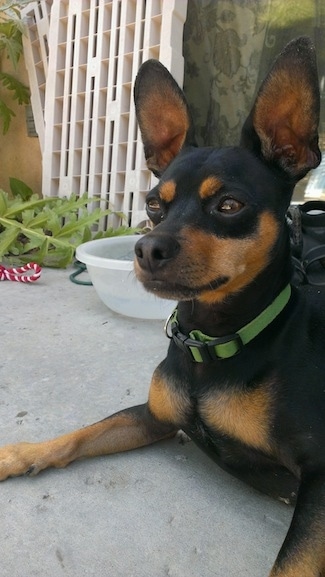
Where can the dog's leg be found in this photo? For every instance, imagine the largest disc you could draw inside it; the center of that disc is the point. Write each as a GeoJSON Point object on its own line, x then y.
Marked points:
{"type": "Point", "coordinates": [129, 429]}
{"type": "Point", "coordinates": [303, 551]}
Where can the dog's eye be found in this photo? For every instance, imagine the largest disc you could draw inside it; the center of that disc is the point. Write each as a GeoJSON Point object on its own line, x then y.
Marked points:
{"type": "Point", "coordinates": [153, 205]}
{"type": "Point", "coordinates": [154, 210]}
{"type": "Point", "coordinates": [230, 206]}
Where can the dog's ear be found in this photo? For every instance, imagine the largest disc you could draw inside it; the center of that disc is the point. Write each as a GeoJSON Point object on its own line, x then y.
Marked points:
{"type": "Point", "coordinates": [283, 124]}
{"type": "Point", "coordinates": [162, 114]}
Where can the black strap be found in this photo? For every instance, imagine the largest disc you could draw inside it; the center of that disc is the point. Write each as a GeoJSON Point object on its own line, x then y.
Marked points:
{"type": "Point", "coordinates": [307, 234]}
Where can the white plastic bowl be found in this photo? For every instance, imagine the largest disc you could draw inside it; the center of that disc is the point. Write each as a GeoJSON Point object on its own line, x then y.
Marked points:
{"type": "Point", "coordinates": [110, 266]}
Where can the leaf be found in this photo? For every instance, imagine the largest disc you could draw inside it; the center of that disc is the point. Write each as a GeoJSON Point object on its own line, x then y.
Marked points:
{"type": "Point", "coordinates": [13, 6]}
{"type": "Point", "coordinates": [16, 208]}
{"type": "Point", "coordinates": [37, 221]}
{"type": "Point", "coordinates": [86, 235]}
{"type": "Point", "coordinates": [11, 39]}
{"type": "Point", "coordinates": [72, 204]}
{"type": "Point", "coordinates": [12, 28]}
{"type": "Point", "coordinates": [20, 90]}
{"type": "Point", "coordinates": [53, 221]}
{"type": "Point", "coordinates": [7, 238]}
{"type": "Point", "coordinates": [27, 216]}
{"type": "Point", "coordinates": [37, 257]}
{"type": "Point", "coordinates": [73, 226]}
{"type": "Point", "coordinates": [3, 202]}
{"type": "Point", "coordinates": [46, 230]}
{"type": "Point", "coordinates": [31, 245]}
{"type": "Point", "coordinates": [20, 188]}
{"type": "Point", "coordinates": [60, 257]}
{"type": "Point", "coordinates": [43, 249]}
{"type": "Point", "coordinates": [6, 114]}
{"type": "Point", "coordinates": [121, 231]}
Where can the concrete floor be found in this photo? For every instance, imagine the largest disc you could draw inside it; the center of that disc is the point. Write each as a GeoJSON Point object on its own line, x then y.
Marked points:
{"type": "Point", "coordinates": [65, 361]}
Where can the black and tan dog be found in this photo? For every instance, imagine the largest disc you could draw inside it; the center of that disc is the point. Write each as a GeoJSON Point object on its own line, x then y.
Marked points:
{"type": "Point", "coordinates": [245, 372]}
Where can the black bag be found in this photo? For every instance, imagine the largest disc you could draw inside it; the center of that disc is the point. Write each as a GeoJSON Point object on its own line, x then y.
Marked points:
{"type": "Point", "coordinates": [307, 231]}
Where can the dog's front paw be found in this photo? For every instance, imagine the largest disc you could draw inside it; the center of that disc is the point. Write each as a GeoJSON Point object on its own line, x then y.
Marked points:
{"type": "Point", "coordinates": [19, 459]}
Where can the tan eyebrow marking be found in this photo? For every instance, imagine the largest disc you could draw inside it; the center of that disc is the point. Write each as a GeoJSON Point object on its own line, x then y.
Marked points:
{"type": "Point", "coordinates": [210, 186]}
{"type": "Point", "coordinates": [167, 191]}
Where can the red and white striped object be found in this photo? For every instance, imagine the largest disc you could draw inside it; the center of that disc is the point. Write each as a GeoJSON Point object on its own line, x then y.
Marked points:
{"type": "Point", "coordinates": [17, 274]}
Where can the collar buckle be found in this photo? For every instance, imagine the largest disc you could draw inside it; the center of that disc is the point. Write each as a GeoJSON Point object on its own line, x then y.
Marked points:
{"type": "Point", "coordinates": [234, 341]}
{"type": "Point", "coordinates": [194, 349]}
{"type": "Point", "coordinates": [200, 351]}
{"type": "Point", "coordinates": [202, 348]}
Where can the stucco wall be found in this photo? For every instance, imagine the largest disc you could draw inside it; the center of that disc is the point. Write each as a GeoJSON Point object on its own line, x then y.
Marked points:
{"type": "Point", "coordinates": [20, 154]}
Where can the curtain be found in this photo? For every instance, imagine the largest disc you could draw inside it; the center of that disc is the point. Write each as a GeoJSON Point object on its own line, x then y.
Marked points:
{"type": "Point", "coordinates": [228, 47]}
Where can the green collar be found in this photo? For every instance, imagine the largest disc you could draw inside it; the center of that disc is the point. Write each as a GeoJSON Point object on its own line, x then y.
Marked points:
{"type": "Point", "coordinates": [202, 348]}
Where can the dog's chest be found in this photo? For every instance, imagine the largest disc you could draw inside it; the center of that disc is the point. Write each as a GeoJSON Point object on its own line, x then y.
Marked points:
{"type": "Point", "coordinates": [243, 415]}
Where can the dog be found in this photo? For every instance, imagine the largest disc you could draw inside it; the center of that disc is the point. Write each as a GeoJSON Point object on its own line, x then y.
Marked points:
{"type": "Point", "coordinates": [244, 372]}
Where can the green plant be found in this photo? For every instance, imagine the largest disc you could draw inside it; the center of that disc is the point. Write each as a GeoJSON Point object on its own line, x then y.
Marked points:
{"type": "Point", "coordinates": [11, 47]}
{"type": "Point", "coordinates": [47, 230]}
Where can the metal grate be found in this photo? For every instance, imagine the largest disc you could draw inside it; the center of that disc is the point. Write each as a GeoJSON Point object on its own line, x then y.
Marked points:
{"type": "Point", "coordinates": [91, 139]}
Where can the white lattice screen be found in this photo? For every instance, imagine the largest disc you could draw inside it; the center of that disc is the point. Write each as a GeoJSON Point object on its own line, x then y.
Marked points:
{"type": "Point", "coordinates": [36, 52]}
{"type": "Point", "coordinates": [91, 139]}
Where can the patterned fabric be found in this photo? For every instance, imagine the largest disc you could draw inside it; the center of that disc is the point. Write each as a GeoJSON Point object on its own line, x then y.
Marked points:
{"type": "Point", "coordinates": [228, 47]}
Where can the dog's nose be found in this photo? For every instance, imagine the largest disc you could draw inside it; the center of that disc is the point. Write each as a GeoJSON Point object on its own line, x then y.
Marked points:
{"type": "Point", "coordinates": [155, 251]}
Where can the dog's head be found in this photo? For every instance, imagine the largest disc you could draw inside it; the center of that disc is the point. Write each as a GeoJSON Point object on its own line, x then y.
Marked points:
{"type": "Point", "coordinates": [219, 212]}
